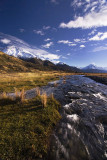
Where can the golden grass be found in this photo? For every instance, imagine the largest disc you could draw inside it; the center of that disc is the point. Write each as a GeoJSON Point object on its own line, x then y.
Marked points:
{"type": "Point", "coordinates": [28, 80]}
{"type": "Point", "coordinates": [37, 91]}
{"type": "Point", "coordinates": [44, 98]}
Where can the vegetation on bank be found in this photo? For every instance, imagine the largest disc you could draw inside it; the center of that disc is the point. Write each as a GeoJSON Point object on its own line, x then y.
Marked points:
{"type": "Point", "coordinates": [99, 77]}
{"type": "Point", "coordinates": [26, 125]}
{"type": "Point", "coordinates": [8, 82]}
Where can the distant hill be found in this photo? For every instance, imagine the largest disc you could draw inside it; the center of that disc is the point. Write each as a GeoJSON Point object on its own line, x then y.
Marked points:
{"type": "Point", "coordinates": [67, 68]}
{"type": "Point", "coordinates": [13, 64]}
{"type": "Point", "coordinates": [47, 65]}
{"type": "Point", "coordinates": [94, 69]}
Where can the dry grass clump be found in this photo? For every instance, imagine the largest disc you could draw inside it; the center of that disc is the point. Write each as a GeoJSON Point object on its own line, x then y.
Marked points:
{"type": "Point", "coordinates": [52, 96]}
{"type": "Point", "coordinates": [4, 95]}
{"type": "Point", "coordinates": [6, 99]}
{"type": "Point", "coordinates": [37, 91]}
{"type": "Point", "coordinates": [22, 95]}
{"type": "Point", "coordinates": [44, 98]}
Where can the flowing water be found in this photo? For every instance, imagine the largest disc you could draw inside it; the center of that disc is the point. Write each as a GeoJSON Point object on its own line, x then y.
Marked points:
{"type": "Point", "coordinates": [82, 132]}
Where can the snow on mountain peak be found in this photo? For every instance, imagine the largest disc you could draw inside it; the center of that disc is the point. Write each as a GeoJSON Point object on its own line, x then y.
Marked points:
{"type": "Point", "coordinates": [93, 66]}
{"type": "Point", "coordinates": [19, 48]}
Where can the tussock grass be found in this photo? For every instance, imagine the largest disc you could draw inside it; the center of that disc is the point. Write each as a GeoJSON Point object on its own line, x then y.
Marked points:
{"type": "Point", "coordinates": [27, 80]}
{"type": "Point", "coordinates": [37, 91]}
{"type": "Point", "coordinates": [25, 127]}
{"type": "Point", "coordinates": [44, 99]}
{"type": "Point", "coordinates": [22, 95]}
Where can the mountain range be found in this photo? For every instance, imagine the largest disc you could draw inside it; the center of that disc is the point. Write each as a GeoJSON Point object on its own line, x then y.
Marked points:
{"type": "Point", "coordinates": [13, 64]}
{"type": "Point", "coordinates": [19, 55]}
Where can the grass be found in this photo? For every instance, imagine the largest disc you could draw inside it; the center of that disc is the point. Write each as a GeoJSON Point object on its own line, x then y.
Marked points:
{"type": "Point", "coordinates": [9, 82]}
{"type": "Point", "coordinates": [25, 127]}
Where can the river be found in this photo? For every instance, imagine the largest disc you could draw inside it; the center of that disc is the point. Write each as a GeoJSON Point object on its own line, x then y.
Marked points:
{"type": "Point", "coordinates": [82, 132]}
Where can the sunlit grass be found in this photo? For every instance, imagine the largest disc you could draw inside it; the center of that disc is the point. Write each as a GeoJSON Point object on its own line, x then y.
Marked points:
{"type": "Point", "coordinates": [8, 82]}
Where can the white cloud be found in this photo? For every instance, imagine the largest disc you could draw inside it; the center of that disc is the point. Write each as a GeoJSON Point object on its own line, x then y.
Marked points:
{"type": "Point", "coordinates": [72, 44]}
{"type": "Point", "coordinates": [101, 48]}
{"type": "Point", "coordinates": [46, 27]}
{"type": "Point", "coordinates": [22, 30]}
{"type": "Point", "coordinates": [64, 57]}
{"type": "Point", "coordinates": [58, 50]}
{"type": "Point", "coordinates": [5, 41]}
{"type": "Point", "coordinates": [67, 42]}
{"type": "Point", "coordinates": [93, 31]}
{"type": "Point", "coordinates": [55, 61]}
{"type": "Point", "coordinates": [64, 42]}
{"type": "Point", "coordinates": [76, 40]}
{"type": "Point", "coordinates": [54, 1]}
{"type": "Point", "coordinates": [40, 32]}
{"type": "Point", "coordinates": [88, 5]}
{"type": "Point", "coordinates": [48, 45]}
{"type": "Point", "coordinates": [90, 20]}
{"type": "Point", "coordinates": [82, 46]}
{"type": "Point", "coordinates": [99, 36]}
{"type": "Point", "coordinates": [48, 39]}
{"type": "Point", "coordinates": [68, 54]}
{"type": "Point", "coordinates": [54, 29]}
{"type": "Point", "coordinates": [77, 3]}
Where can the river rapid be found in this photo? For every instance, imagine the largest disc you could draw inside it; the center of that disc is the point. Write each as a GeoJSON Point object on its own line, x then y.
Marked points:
{"type": "Point", "coordinates": [82, 132]}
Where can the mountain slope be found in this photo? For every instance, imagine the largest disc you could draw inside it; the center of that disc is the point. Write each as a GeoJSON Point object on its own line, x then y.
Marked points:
{"type": "Point", "coordinates": [13, 64]}
{"type": "Point", "coordinates": [67, 68]}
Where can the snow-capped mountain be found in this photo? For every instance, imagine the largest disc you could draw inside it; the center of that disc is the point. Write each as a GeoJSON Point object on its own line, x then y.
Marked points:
{"type": "Point", "coordinates": [16, 47]}
{"type": "Point", "coordinates": [18, 52]}
{"type": "Point", "coordinates": [94, 68]}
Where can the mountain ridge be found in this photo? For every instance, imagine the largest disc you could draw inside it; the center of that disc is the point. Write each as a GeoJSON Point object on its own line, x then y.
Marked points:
{"type": "Point", "coordinates": [13, 64]}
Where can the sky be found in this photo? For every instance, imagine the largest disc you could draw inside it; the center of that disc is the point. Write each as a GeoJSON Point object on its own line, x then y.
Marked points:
{"type": "Point", "coordinates": [69, 31]}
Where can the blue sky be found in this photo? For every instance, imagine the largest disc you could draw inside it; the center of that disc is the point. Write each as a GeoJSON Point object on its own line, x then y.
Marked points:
{"type": "Point", "coordinates": [70, 31]}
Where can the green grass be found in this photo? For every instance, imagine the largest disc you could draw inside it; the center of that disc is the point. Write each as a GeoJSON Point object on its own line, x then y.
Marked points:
{"type": "Point", "coordinates": [25, 127]}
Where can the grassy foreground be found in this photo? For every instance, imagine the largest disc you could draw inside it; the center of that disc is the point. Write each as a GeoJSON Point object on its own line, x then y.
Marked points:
{"type": "Point", "coordinates": [25, 127]}
{"type": "Point", "coordinates": [8, 82]}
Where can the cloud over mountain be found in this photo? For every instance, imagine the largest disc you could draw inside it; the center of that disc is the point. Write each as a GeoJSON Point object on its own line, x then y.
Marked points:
{"type": "Point", "coordinates": [18, 47]}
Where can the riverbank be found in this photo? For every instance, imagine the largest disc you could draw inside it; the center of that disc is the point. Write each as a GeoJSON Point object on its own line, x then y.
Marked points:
{"type": "Point", "coordinates": [10, 82]}
{"type": "Point", "coordinates": [101, 78]}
